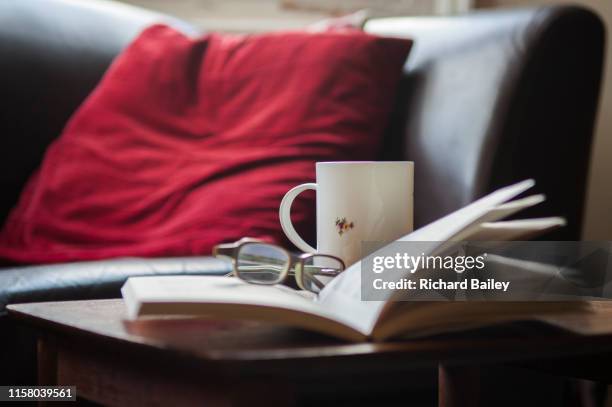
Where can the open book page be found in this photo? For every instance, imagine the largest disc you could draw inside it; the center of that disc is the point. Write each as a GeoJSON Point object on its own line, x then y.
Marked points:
{"type": "Point", "coordinates": [596, 321]}
{"type": "Point", "coordinates": [343, 294]}
{"type": "Point", "coordinates": [231, 298]}
{"type": "Point", "coordinates": [510, 208]}
{"type": "Point", "coordinates": [410, 319]}
{"type": "Point", "coordinates": [515, 229]}
{"type": "Point", "coordinates": [426, 318]}
{"type": "Point", "coordinates": [498, 212]}
{"type": "Point", "coordinates": [531, 280]}
{"type": "Point", "coordinates": [482, 210]}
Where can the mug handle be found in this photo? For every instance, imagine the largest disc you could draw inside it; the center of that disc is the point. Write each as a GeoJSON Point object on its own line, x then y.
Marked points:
{"type": "Point", "coordinates": [284, 213]}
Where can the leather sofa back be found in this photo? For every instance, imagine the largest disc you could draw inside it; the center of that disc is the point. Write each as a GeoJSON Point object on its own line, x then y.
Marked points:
{"type": "Point", "coordinates": [491, 98]}
{"type": "Point", "coordinates": [53, 54]}
{"type": "Point", "coordinates": [488, 98]}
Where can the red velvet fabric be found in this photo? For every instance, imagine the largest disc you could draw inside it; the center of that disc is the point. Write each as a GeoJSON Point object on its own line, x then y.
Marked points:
{"type": "Point", "coordinates": [187, 142]}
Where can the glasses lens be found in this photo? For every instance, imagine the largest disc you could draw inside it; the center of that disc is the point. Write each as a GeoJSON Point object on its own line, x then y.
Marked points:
{"type": "Point", "coordinates": [318, 271]}
{"type": "Point", "coordinates": [261, 263]}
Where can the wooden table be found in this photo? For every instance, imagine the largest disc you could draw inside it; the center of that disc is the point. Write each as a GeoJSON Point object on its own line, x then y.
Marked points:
{"type": "Point", "coordinates": [201, 362]}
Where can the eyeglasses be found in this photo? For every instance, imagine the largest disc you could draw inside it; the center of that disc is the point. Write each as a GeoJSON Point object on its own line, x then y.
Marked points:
{"type": "Point", "coordinates": [257, 262]}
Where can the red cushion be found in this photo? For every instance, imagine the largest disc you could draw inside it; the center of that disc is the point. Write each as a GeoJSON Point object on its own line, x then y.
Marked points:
{"type": "Point", "coordinates": [186, 142]}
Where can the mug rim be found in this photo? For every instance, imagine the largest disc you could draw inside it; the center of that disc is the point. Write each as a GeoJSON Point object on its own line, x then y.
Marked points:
{"type": "Point", "coordinates": [362, 162]}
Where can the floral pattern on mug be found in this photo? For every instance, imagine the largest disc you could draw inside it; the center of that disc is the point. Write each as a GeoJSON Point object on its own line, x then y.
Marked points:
{"type": "Point", "coordinates": [343, 225]}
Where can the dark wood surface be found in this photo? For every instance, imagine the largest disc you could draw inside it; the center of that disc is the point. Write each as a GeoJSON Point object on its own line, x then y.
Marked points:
{"type": "Point", "coordinates": [91, 339]}
{"type": "Point", "coordinates": [241, 343]}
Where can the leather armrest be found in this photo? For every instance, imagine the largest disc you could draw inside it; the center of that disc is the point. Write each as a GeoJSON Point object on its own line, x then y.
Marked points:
{"type": "Point", "coordinates": [94, 279]}
{"type": "Point", "coordinates": [74, 281]}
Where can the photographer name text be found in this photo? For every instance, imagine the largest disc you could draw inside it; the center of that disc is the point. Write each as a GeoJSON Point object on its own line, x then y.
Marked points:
{"type": "Point", "coordinates": [439, 284]}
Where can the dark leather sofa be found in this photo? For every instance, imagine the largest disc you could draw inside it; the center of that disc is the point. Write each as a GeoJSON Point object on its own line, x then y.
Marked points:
{"type": "Point", "coordinates": [487, 99]}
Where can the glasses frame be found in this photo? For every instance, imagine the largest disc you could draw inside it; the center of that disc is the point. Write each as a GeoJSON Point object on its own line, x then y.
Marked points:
{"type": "Point", "coordinates": [295, 265]}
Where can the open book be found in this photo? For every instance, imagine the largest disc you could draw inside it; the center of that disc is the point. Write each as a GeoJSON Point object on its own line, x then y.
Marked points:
{"type": "Point", "coordinates": [338, 310]}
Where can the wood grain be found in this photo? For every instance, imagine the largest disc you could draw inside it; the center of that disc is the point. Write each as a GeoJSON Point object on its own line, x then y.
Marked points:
{"type": "Point", "coordinates": [158, 361]}
{"type": "Point", "coordinates": [234, 342]}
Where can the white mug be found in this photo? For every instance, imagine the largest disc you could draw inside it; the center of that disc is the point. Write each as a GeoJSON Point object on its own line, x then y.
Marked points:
{"type": "Point", "coordinates": [356, 201]}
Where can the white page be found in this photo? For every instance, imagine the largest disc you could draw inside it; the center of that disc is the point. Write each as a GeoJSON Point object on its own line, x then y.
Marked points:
{"type": "Point", "coordinates": [343, 295]}
{"type": "Point", "coordinates": [500, 212]}
{"type": "Point", "coordinates": [515, 229]}
{"type": "Point", "coordinates": [231, 298]}
{"type": "Point", "coordinates": [512, 207]}
{"type": "Point", "coordinates": [215, 289]}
